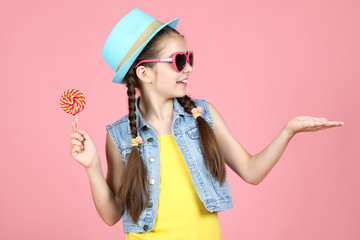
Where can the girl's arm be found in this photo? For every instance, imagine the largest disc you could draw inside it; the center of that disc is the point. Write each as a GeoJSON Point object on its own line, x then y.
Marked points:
{"type": "Point", "coordinates": [84, 151]}
{"type": "Point", "coordinates": [261, 163]}
{"type": "Point", "coordinates": [103, 197]}
{"type": "Point", "coordinates": [253, 169]}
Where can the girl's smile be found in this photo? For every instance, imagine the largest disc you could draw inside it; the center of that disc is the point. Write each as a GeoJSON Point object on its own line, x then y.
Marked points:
{"type": "Point", "coordinates": [182, 82]}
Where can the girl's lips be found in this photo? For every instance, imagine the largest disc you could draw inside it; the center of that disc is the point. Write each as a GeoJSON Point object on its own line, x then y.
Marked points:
{"type": "Point", "coordinates": [182, 81]}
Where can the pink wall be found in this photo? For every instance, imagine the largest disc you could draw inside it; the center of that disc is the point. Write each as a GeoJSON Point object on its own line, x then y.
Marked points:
{"type": "Point", "coordinates": [260, 63]}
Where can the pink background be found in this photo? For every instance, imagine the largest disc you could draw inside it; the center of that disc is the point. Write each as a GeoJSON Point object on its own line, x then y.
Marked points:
{"type": "Point", "coordinates": [260, 63]}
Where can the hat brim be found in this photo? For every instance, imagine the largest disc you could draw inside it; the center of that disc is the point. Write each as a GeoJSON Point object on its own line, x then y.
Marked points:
{"type": "Point", "coordinates": [120, 74]}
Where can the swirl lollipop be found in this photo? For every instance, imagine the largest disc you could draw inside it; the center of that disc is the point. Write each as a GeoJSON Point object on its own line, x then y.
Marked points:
{"type": "Point", "coordinates": [72, 101]}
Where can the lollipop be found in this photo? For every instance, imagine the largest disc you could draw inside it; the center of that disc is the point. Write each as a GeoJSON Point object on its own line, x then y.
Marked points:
{"type": "Point", "coordinates": [72, 101]}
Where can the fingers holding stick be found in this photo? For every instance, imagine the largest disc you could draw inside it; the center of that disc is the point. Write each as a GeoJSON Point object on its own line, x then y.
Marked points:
{"type": "Point", "coordinates": [76, 140]}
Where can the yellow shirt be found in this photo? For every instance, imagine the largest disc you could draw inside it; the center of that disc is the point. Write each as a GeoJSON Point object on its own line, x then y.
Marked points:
{"type": "Point", "coordinates": [181, 214]}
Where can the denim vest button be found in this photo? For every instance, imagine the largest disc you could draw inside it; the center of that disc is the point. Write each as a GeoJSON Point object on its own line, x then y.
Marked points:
{"type": "Point", "coordinates": [150, 205]}
{"type": "Point", "coordinates": [150, 140]}
{"type": "Point", "coordinates": [145, 128]}
{"type": "Point", "coordinates": [152, 181]}
{"type": "Point", "coordinates": [152, 159]}
{"type": "Point", "coordinates": [146, 227]}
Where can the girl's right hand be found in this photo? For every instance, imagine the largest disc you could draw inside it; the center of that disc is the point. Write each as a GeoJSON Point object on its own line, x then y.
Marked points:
{"type": "Point", "coordinates": [82, 148]}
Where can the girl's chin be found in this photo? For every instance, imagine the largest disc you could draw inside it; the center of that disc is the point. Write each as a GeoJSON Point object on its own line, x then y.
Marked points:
{"type": "Point", "coordinates": [179, 94]}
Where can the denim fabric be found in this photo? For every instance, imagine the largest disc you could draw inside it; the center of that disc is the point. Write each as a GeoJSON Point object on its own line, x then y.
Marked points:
{"type": "Point", "coordinates": [185, 131]}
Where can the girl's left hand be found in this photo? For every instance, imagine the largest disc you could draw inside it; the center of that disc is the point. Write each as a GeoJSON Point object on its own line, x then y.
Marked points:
{"type": "Point", "coordinates": [310, 124]}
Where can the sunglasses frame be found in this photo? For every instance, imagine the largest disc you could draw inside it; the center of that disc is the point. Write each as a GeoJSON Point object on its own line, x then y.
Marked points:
{"type": "Point", "coordinates": [172, 59]}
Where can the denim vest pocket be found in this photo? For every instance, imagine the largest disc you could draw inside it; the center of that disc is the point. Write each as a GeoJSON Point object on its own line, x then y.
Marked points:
{"type": "Point", "coordinates": [193, 133]}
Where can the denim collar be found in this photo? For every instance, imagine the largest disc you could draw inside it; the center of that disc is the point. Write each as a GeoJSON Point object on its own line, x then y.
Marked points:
{"type": "Point", "coordinates": [140, 122]}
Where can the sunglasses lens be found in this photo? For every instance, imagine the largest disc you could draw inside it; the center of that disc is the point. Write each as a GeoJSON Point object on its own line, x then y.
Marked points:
{"type": "Point", "coordinates": [180, 61]}
{"type": "Point", "coordinates": [191, 59]}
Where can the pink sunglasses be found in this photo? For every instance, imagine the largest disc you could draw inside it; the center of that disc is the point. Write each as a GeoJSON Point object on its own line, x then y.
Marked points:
{"type": "Point", "coordinates": [178, 60]}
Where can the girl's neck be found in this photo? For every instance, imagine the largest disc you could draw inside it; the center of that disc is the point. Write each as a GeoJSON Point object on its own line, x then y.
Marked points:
{"type": "Point", "coordinates": [155, 109]}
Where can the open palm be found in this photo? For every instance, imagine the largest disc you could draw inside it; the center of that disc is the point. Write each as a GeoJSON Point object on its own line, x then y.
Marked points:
{"type": "Point", "coordinates": [310, 124]}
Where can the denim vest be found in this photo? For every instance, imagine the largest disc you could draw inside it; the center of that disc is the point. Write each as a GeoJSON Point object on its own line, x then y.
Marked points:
{"type": "Point", "coordinates": [185, 132]}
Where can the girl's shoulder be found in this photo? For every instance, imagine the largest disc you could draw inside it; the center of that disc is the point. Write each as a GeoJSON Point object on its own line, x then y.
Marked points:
{"type": "Point", "coordinates": [122, 121]}
{"type": "Point", "coordinates": [120, 133]}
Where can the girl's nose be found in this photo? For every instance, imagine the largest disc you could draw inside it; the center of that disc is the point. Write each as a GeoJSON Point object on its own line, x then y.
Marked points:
{"type": "Point", "coordinates": [188, 68]}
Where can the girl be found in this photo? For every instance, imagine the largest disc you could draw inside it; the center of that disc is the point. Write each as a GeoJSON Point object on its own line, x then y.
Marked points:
{"type": "Point", "coordinates": [166, 159]}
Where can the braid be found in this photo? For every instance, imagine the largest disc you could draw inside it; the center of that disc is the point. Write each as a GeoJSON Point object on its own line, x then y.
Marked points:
{"type": "Point", "coordinates": [132, 108]}
{"type": "Point", "coordinates": [186, 103]}
{"type": "Point", "coordinates": [134, 182]}
{"type": "Point", "coordinates": [213, 157]}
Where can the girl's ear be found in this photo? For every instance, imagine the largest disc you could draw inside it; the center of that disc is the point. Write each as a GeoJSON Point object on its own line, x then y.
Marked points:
{"type": "Point", "coordinates": [144, 74]}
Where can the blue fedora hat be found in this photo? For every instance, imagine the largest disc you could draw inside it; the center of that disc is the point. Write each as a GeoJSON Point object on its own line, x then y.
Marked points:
{"type": "Point", "coordinates": [128, 38]}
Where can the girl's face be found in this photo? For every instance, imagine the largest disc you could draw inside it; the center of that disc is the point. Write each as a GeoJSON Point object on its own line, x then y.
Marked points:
{"type": "Point", "coordinates": [166, 80]}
